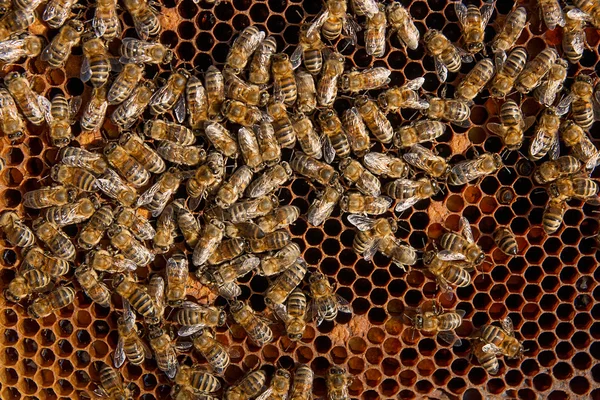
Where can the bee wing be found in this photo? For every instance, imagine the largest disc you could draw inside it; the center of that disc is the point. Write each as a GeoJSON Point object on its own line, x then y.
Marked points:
{"type": "Point", "coordinates": [267, 393]}
{"type": "Point", "coordinates": [189, 330]}
{"type": "Point", "coordinates": [371, 250]}
{"type": "Point", "coordinates": [119, 355]}
{"type": "Point", "coordinates": [564, 104]}
{"type": "Point", "coordinates": [230, 290]}
{"type": "Point", "coordinates": [350, 27]}
{"type": "Point", "coordinates": [561, 18]}
{"type": "Point", "coordinates": [417, 156]}
{"type": "Point", "coordinates": [128, 314]}
{"type": "Point", "coordinates": [313, 313]}
{"type": "Point", "coordinates": [578, 41]}
{"type": "Point", "coordinates": [460, 312]}
{"type": "Point", "coordinates": [414, 84]}
{"type": "Point", "coordinates": [440, 69]}
{"type": "Point", "coordinates": [148, 195]}
{"type": "Point", "coordinates": [446, 255]}
{"type": "Point", "coordinates": [496, 128]}
{"type": "Point", "coordinates": [405, 204]}
{"type": "Point", "coordinates": [296, 57]}
{"type": "Point", "coordinates": [162, 95]}
{"type": "Point", "coordinates": [45, 106]}
{"type": "Point", "coordinates": [466, 229]}
{"type": "Point", "coordinates": [383, 201]}
{"type": "Point", "coordinates": [318, 23]}
{"type": "Point", "coordinates": [486, 12]}
{"type": "Point", "coordinates": [450, 338]}
{"type": "Point", "coordinates": [157, 291]}
{"type": "Point", "coordinates": [491, 348]}
{"type": "Point", "coordinates": [461, 13]}
{"type": "Point", "coordinates": [74, 106]}
{"type": "Point", "coordinates": [180, 109]}
{"type": "Point", "coordinates": [328, 150]}
{"type": "Point", "coordinates": [142, 29]}
{"type": "Point", "coordinates": [507, 325]}
{"type": "Point", "coordinates": [11, 50]}
{"type": "Point", "coordinates": [499, 59]}
{"type": "Point", "coordinates": [86, 71]}
{"type": "Point", "coordinates": [100, 392]}
{"type": "Point", "coordinates": [343, 304]}
{"type": "Point", "coordinates": [468, 169]}
{"type": "Point", "coordinates": [361, 222]}
{"type": "Point", "coordinates": [172, 364]}
{"type": "Point", "coordinates": [579, 15]}
{"type": "Point", "coordinates": [280, 311]}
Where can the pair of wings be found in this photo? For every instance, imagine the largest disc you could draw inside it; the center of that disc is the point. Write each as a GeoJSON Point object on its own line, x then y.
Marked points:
{"type": "Point", "coordinates": [465, 230]}
{"type": "Point", "coordinates": [165, 95]}
{"type": "Point", "coordinates": [349, 26]}
{"type": "Point", "coordinates": [189, 330]}
{"type": "Point", "coordinates": [129, 320]}
{"type": "Point", "coordinates": [315, 313]}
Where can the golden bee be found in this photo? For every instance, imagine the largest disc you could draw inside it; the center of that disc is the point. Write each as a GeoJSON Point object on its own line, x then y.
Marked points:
{"type": "Point", "coordinates": [282, 124]}
{"type": "Point", "coordinates": [138, 225]}
{"type": "Point", "coordinates": [375, 119]}
{"type": "Point", "coordinates": [279, 387]}
{"type": "Point", "coordinates": [122, 239]}
{"type": "Point", "coordinates": [209, 240]}
{"type": "Point", "coordinates": [582, 105]}
{"type": "Point", "coordinates": [197, 379]}
{"type": "Point", "coordinates": [475, 81]}
{"type": "Point", "coordinates": [11, 122]}
{"type": "Point", "coordinates": [55, 239]}
{"type": "Point", "coordinates": [79, 157]}
{"type": "Point", "coordinates": [303, 383]}
{"type": "Point", "coordinates": [62, 116]}
{"type": "Point", "coordinates": [194, 317]}
{"type": "Point", "coordinates": [309, 49]}
{"type": "Point", "coordinates": [424, 159]}
{"type": "Point", "coordinates": [171, 95]}
{"type": "Point", "coordinates": [126, 165]}
{"type": "Point", "coordinates": [338, 383]}
{"type": "Point", "coordinates": [196, 100]}
{"type": "Point", "coordinates": [545, 139]}
{"type": "Point", "coordinates": [360, 81]}
{"type": "Point", "coordinates": [129, 346]}
{"type": "Point", "coordinates": [294, 314]}
{"type": "Point", "coordinates": [94, 112]}
{"type": "Point", "coordinates": [250, 386]}
{"type": "Point", "coordinates": [507, 71]}
{"type": "Point", "coordinates": [112, 385]}
{"type": "Point", "coordinates": [139, 51]}
{"type": "Point", "coordinates": [166, 225]}
{"type": "Point", "coordinates": [285, 284]}
{"type": "Point", "coordinates": [327, 86]}
{"type": "Point", "coordinates": [136, 295]}
{"type": "Point", "coordinates": [250, 149]}
{"type": "Point", "coordinates": [280, 218]}
{"type": "Point", "coordinates": [179, 154]}
{"type": "Point", "coordinates": [356, 130]}
{"type": "Point", "coordinates": [461, 246]}
{"type": "Point", "coordinates": [102, 260]}
{"type": "Point", "coordinates": [268, 143]}
{"type": "Point", "coordinates": [256, 327]}
{"type": "Point", "coordinates": [15, 21]}
{"type": "Point", "coordinates": [207, 176]}
{"type": "Point", "coordinates": [573, 38]}
{"type": "Point", "coordinates": [433, 320]}
{"type": "Point", "coordinates": [552, 13]}
{"type": "Point", "coordinates": [506, 241]}
{"type": "Point", "coordinates": [213, 351]}
{"type": "Point", "coordinates": [418, 132]}
{"type": "Point", "coordinates": [323, 205]}
{"type": "Point", "coordinates": [446, 56]}
{"type": "Point", "coordinates": [128, 112]}
{"type": "Point", "coordinates": [509, 34]}
{"type": "Point", "coordinates": [71, 213]}
{"type": "Point", "coordinates": [35, 108]}
{"type": "Point", "coordinates": [581, 188]}
{"type": "Point", "coordinates": [94, 230]}
{"type": "Point", "coordinates": [269, 181]}
{"type": "Point", "coordinates": [401, 21]}
{"type": "Point", "coordinates": [54, 301]}
{"type": "Point", "coordinates": [550, 171]}
{"type": "Point", "coordinates": [313, 169]}
{"type": "Point", "coordinates": [398, 252]}
{"type": "Point", "coordinates": [409, 192]}
{"type": "Point", "coordinates": [284, 80]}
{"type": "Point", "coordinates": [96, 64]}
{"type": "Point", "coordinates": [587, 9]}
{"type": "Point", "coordinates": [307, 92]}
{"type": "Point", "coordinates": [164, 351]}
{"type": "Point", "coordinates": [215, 90]}
{"type": "Point", "coordinates": [385, 165]}
{"type": "Point", "coordinates": [405, 96]}
{"type": "Point", "coordinates": [447, 272]}
{"type": "Point", "coordinates": [125, 83]}
{"type": "Point", "coordinates": [553, 82]}
{"type": "Point", "coordinates": [473, 21]}
{"type": "Point", "coordinates": [355, 174]}
{"type": "Point", "coordinates": [307, 136]}
{"type": "Point", "coordinates": [357, 203]}
{"type": "Point", "coordinates": [501, 340]}
{"type": "Point", "coordinates": [252, 208]}
{"type": "Point", "coordinates": [231, 191]}
{"type": "Point", "coordinates": [106, 23]}
{"type": "Point", "coordinates": [74, 176]}
{"type": "Point", "coordinates": [579, 141]}
{"type": "Point", "coordinates": [466, 171]}
{"type": "Point", "coordinates": [269, 242]}
{"type": "Point", "coordinates": [454, 111]}
{"type": "Point", "coordinates": [16, 232]}
{"type": "Point", "coordinates": [223, 278]}
{"type": "Point", "coordinates": [370, 233]}
{"type": "Point", "coordinates": [274, 264]}
{"type": "Point", "coordinates": [553, 215]}
{"type": "Point", "coordinates": [260, 65]}
{"type": "Point", "coordinates": [144, 16]}
{"type": "Point", "coordinates": [26, 283]}
{"type": "Point", "coordinates": [144, 154]}
{"type": "Point", "coordinates": [187, 223]}
{"type": "Point", "coordinates": [335, 140]}
{"type": "Point", "coordinates": [375, 36]}
{"type": "Point", "coordinates": [237, 89]}
{"type": "Point", "coordinates": [243, 47]}
{"type": "Point", "coordinates": [221, 138]}
{"type": "Point", "coordinates": [227, 250]}
{"type": "Point", "coordinates": [334, 20]}
{"type": "Point", "coordinates": [243, 230]}
{"type": "Point", "coordinates": [512, 125]}
{"type": "Point", "coordinates": [93, 287]}
{"type": "Point", "coordinates": [13, 50]}
{"type": "Point", "coordinates": [37, 258]}
{"type": "Point", "coordinates": [163, 130]}
{"type": "Point", "coordinates": [535, 70]}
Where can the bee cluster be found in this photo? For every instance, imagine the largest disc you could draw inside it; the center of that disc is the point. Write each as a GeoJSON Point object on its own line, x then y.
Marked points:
{"type": "Point", "coordinates": [186, 175]}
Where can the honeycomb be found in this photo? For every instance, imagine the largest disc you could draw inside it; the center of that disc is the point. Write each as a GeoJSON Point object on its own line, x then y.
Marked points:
{"type": "Point", "coordinates": [549, 290]}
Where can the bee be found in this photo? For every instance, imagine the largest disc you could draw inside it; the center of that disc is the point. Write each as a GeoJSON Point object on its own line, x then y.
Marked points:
{"type": "Point", "coordinates": [338, 384]}
{"type": "Point", "coordinates": [550, 171]}
{"type": "Point", "coordinates": [54, 301]}
{"type": "Point", "coordinates": [49, 196]}
{"type": "Point", "coordinates": [141, 152]}
{"type": "Point", "coordinates": [375, 32]}
{"type": "Point", "coordinates": [327, 86]}
{"type": "Point", "coordinates": [187, 223]}
{"type": "Point", "coordinates": [307, 136]}
{"type": "Point", "coordinates": [249, 93]}
{"type": "Point", "coordinates": [212, 350]}
{"type": "Point", "coordinates": [164, 351]}
{"type": "Point", "coordinates": [92, 286]}
{"type": "Point", "coordinates": [375, 119]}
{"type": "Point", "coordinates": [335, 20]}
{"type": "Point", "coordinates": [422, 158]}
{"type": "Point", "coordinates": [370, 233]}
{"type": "Point", "coordinates": [93, 231]}
{"type": "Point", "coordinates": [250, 386]}
{"type": "Point", "coordinates": [553, 215]}
{"type": "Point", "coordinates": [196, 99]}
{"type": "Point", "coordinates": [461, 246]}
{"type": "Point", "coordinates": [269, 181]}
{"type": "Point", "coordinates": [13, 50]}
{"type": "Point", "coordinates": [581, 188]}
{"type": "Point", "coordinates": [25, 283]}
{"type": "Point", "coordinates": [35, 107]}
{"type": "Point", "coordinates": [74, 176]}
{"type": "Point", "coordinates": [285, 284]}
{"type": "Point", "coordinates": [501, 340]}
{"type": "Point", "coordinates": [573, 38]}
{"type": "Point", "coordinates": [112, 385]}
{"type": "Point", "coordinates": [364, 7]}
{"type": "Point", "coordinates": [405, 96]}
{"type": "Point", "coordinates": [125, 242]}
{"type": "Point", "coordinates": [587, 9]}
{"type": "Point", "coordinates": [243, 230]}
{"type": "Point", "coordinates": [446, 56]}
{"type": "Point", "coordinates": [169, 131]}
{"type": "Point", "coordinates": [473, 21]}
{"type": "Point", "coordinates": [313, 169]}
{"type": "Point", "coordinates": [409, 192]}
{"type": "Point", "coordinates": [512, 126]}
{"type": "Point", "coordinates": [125, 83]}
{"type": "Point", "coordinates": [469, 170]}
{"type": "Point", "coordinates": [223, 278]}
{"type": "Point", "coordinates": [62, 116]}
{"type": "Point", "coordinates": [127, 113]}
{"type": "Point", "coordinates": [106, 23]}
{"type": "Point", "coordinates": [56, 240]}
{"type": "Point", "coordinates": [57, 12]}
{"type": "Point", "coordinates": [71, 213]}
{"type": "Point", "coordinates": [221, 138]}
{"type": "Point", "coordinates": [15, 21]}
{"type": "Point", "coordinates": [545, 139]}
{"type": "Point", "coordinates": [454, 111]}
{"type": "Point", "coordinates": [197, 379]}
{"type": "Point", "coordinates": [209, 240]}
{"type": "Point", "coordinates": [145, 18]}
{"type": "Point", "coordinates": [303, 383]}
{"type": "Point", "coordinates": [227, 250]}
{"type": "Point", "coordinates": [206, 176]}
{"type": "Point", "coordinates": [234, 188]}
{"type": "Point", "coordinates": [357, 203]}
{"type": "Point", "coordinates": [179, 154]}
{"type": "Point", "coordinates": [274, 264]}
{"type": "Point", "coordinates": [164, 238]}
{"type": "Point", "coordinates": [126, 165]}
{"type": "Point", "coordinates": [486, 358]}
{"type": "Point", "coordinates": [96, 64]}
{"type": "Point", "coordinates": [506, 241]}
{"type": "Point", "coordinates": [102, 260]}
{"type": "Point", "coordinates": [139, 51]}
{"type": "Point", "coordinates": [59, 49]}
{"type": "Point", "coordinates": [136, 295]}
{"type": "Point", "coordinates": [268, 143]}
{"type": "Point", "coordinates": [475, 81]}
{"type": "Point", "coordinates": [243, 47]}
{"type": "Point", "coordinates": [401, 254]}
{"type": "Point", "coordinates": [112, 185]}
{"type": "Point", "coordinates": [324, 204]}
{"type": "Point", "coordinates": [252, 208]}
{"type": "Point", "coordinates": [442, 324]}
{"type": "Point", "coordinates": [138, 225]}
{"type": "Point", "coordinates": [270, 241]}
{"type": "Point", "coordinates": [279, 387]}
{"type": "Point", "coordinates": [310, 49]}
{"type": "Point", "coordinates": [447, 272]}
{"type": "Point", "coordinates": [576, 138]}
{"type": "Point", "coordinates": [282, 125]}
{"type": "Point", "coordinates": [215, 90]}
{"type": "Point", "coordinates": [11, 122]}
{"type": "Point", "coordinates": [250, 149]}
{"type": "Point", "coordinates": [552, 13]}
{"type": "Point", "coordinates": [260, 66]}
{"type": "Point", "coordinates": [284, 79]}
{"type": "Point", "coordinates": [359, 81]}
{"type": "Point", "coordinates": [335, 141]}
{"type": "Point", "coordinates": [36, 258]}
{"type": "Point", "coordinates": [194, 317]}
{"type": "Point", "coordinates": [511, 31]}
{"type": "Point", "coordinates": [256, 327]}
{"type": "Point", "coordinates": [354, 173]}
{"type": "Point", "coordinates": [582, 106]}
{"type": "Point", "coordinates": [294, 314]}
{"type": "Point", "coordinates": [129, 345]}
{"type": "Point", "coordinates": [553, 83]}
{"type": "Point", "coordinates": [171, 95]}
{"type": "Point", "coordinates": [94, 113]}
{"type": "Point", "coordinates": [78, 157]}
{"type": "Point", "coordinates": [356, 130]}
{"type": "Point", "coordinates": [401, 22]}
{"type": "Point", "coordinates": [280, 218]}
{"type": "Point", "coordinates": [507, 72]}
{"type": "Point", "coordinates": [535, 70]}
{"type": "Point", "coordinates": [385, 165]}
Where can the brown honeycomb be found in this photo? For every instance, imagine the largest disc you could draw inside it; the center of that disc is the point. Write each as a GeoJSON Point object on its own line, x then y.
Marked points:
{"type": "Point", "coordinates": [549, 289]}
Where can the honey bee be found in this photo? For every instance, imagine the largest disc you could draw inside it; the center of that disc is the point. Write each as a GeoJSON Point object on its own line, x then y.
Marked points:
{"type": "Point", "coordinates": [125, 83]}
{"type": "Point", "coordinates": [447, 272]}
{"type": "Point", "coordinates": [324, 204]}
{"type": "Point", "coordinates": [136, 295]}
{"type": "Point", "coordinates": [370, 233]}
{"type": "Point", "coordinates": [223, 278]}
{"type": "Point", "coordinates": [307, 136]}
{"type": "Point", "coordinates": [96, 64]}
{"type": "Point", "coordinates": [234, 188]}
{"type": "Point", "coordinates": [126, 165]}
{"type": "Point", "coordinates": [511, 31]}
{"type": "Point", "coordinates": [215, 90]}
{"type": "Point", "coordinates": [112, 385]}
{"type": "Point", "coordinates": [62, 116]}
{"type": "Point", "coordinates": [227, 250]}
{"type": "Point", "coordinates": [461, 246]}
{"type": "Point", "coordinates": [338, 384]}
{"type": "Point", "coordinates": [512, 126]}
{"type": "Point", "coordinates": [335, 20]}
{"type": "Point", "coordinates": [249, 93]}
{"type": "Point", "coordinates": [126, 243]}
{"type": "Point", "coordinates": [243, 47]}
{"type": "Point", "coordinates": [74, 176]}
{"type": "Point", "coordinates": [501, 340]}
{"type": "Point", "coordinates": [13, 50]}
{"type": "Point", "coordinates": [284, 79]}
{"type": "Point", "coordinates": [313, 169]}
{"type": "Point", "coordinates": [552, 13]}
{"type": "Point", "coordinates": [54, 301]}
{"type": "Point", "coordinates": [385, 165]}
{"type": "Point", "coordinates": [243, 230]}
{"type": "Point", "coordinates": [78, 157]}
{"type": "Point", "coordinates": [581, 188]}
{"type": "Point", "coordinates": [327, 86]}
{"type": "Point", "coordinates": [36, 258]}
{"type": "Point", "coordinates": [545, 139]}
{"type": "Point", "coordinates": [195, 317]}
{"type": "Point", "coordinates": [171, 95]}
{"type": "Point", "coordinates": [260, 66]}
{"type": "Point", "coordinates": [256, 326]}
{"type": "Point", "coordinates": [112, 185]}
{"type": "Point", "coordinates": [354, 173]}
{"type": "Point", "coordinates": [310, 49]}
{"type": "Point", "coordinates": [25, 283]}
{"type": "Point", "coordinates": [127, 113]}
{"type": "Point", "coordinates": [94, 113]}
{"type": "Point", "coordinates": [401, 22]}
{"type": "Point", "coordinates": [357, 203]}
{"type": "Point", "coordinates": [212, 350]}
{"type": "Point", "coordinates": [221, 138]}
{"type": "Point", "coordinates": [303, 383]}
{"type": "Point", "coordinates": [169, 131]}
{"type": "Point", "coordinates": [145, 18]}
{"type": "Point", "coordinates": [553, 83]}
{"type": "Point", "coordinates": [582, 105]}
{"type": "Point", "coordinates": [141, 152]}
{"type": "Point", "coordinates": [270, 241]}
{"type": "Point", "coordinates": [15, 21]}
{"type": "Point", "coordinates": [359, 81]}
{"type": "Point", "coordinates": [92, 286]}
{"type": "Point", "coordinates": [507, 72]}
{"type": "Point", "coordinates": [206, 176]}
{"type": "Point", "coordinates": [187, 223]}
{"type": "Point", "coordinates": [129, 345]}
{"type": "Point", "coordinates": [279, 387]}
{"type": "Point", "coordinates": [196, 99]}
{"type": "Point", "coordinates": [588, 9]}
{"type": "Point", "coordinates": [335, 141]}
{"type": "Point", "coordinates": [252, 208]}
{"type": "Point", "coordinates": [138, 225]}
{"type": "Point", "coordinates": [446, 56]}
{"type": "Point", "coordinates": [268, 143]}
{"type": "Point", "coordinates": [550, 171]}
{"type": "Point", "coordinates": [473, 21]}
{"type": "Point", "coordinates": [102, 260]}
{"type": "Point", "coordinates": [553, 215]}
{"type": "Point", "coordinates": [200, 381]}
{"type": "Point", "coordinates": [274, 264]}
{"type": "Point", "coordinates": [71, 213]}
{"type": "Point", "coordinates": [35, 108]}
{"type": "Point", "coordinates": [435, 321]}
{"type": "Point", "coordinates": [139, 51]}
{"type": "Point", "coordinates": [469, 170]}
{"type": "Point", "coordinates": [307, 92]}
{"type": "Point", "coordinates": [11, 122]}
{"type": "Point", "coordinates": [576, 138]}
{"type": "Point", "coordinates": [250, 386]}
{"type": "Point", "coordinates": [49, 196]}
{"type": "Point", "coordinates": [294, 314]}
{"type": "Point", "coordinates": [57, 12]}
{"type": "Point", "coordinates": [535, 70]}
{"type": "Point", "coordinates": [573, 39]}
{"type": "Point", "coordinates": [164, 238]}
{"type": "Point", "coordinates": [422, 158]}
{"type": "Point", "coordinates": [269, 181]}
{"type": "Point", "coordinates": [356, 130]}
{"type": "Point", "coordinates": [56, 240]}
{"type": "Point", "coordinates": [209, 240]}
{"type": "Point", "coordinates": [180, 154]}
{"type": "Point", "coordinates": [375, 32]}
{"type": "Point", "coordinates": [374, 118]}
{"type": "Point", "coordinates": [405, 96]}
{"type": "Point", "coordinates": [409, 192]}
{"type": "Point", "coordinates": [164, 351]}
{"type": "Point", "coordinates": [59, 49]}
{"type": "Point", "coordinates": [454, 111]}
{"type": "Point", "coordinates": [475, 81]}
{"type": "Point", "coordinates": [280, 218]}
{"type": "Point", "coordinates": [93, 231]}
{"type": "Point", "coordinates": [506, 241]}
{"type": "Point", "coordinates": [282, 125]}
{"type": "Point", "coordinates": [285, 284]}
{"type": "Point", "coordinates": [487, 358]}
{"type": "Point", "coordinates": [250, 149]}
{"type": "Point", "coordinates": [400, 254]}
{"type": "Point", "coordinates": [106, 23]}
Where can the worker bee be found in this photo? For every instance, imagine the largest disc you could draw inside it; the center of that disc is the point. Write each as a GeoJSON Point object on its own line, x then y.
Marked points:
{"type": "Point", "coordinates": [59, 49]}
{"type": "Point", "coordinates": [112, 385]}
{"type": "Point", "coordinates": [307, 92]}
{"type": "Point", "coordinates": [370, 233]}
{"type": "Point", "coordinates": [256, 326]}
{"type": "Point", "coordinates": [221, 138]}
{"type": "Point", "coordinates": [169, 131]}
{"type": "Point", "coordinates": [401, 22]}
{"type": "Point", "coordinates": [553, 83]}
{"type": "Point", "coordinates": [125, 83]}
{"type": "Point", "coordinates": [313, 169]}
{"type": "Point", "coordinates": [234, 188]}
{"type": "Point", "coordinates": [237, 89]}
{"type": "Point", "coordinates": [454, 111]}
{"type": "Point", "coordinates": [92, 286]}
{"type": "Point", "coordinates": [424, 159]}
{"type": "Point", "coordinates": [582, 106]}
{"type": "Point", "coordinates": [14, 49]}
{"type": "Point", "coordinates": [62, 116]}
{"type": "Point", "coordinates": [285, 283]}
{"type": "Point", "coordinates": [106, 23]}
{"type": "Point", "coordinates": [507, 72]}
{"type": "Point", "coordinates": [208, 175]}
{"type": "Point", "coordinates": [552, 13]}
{"type": "Point", "coordinates": [164, 238]}
{"type": "Point", "coordinates": [126, 165]}
{"type": "Point", "coordinates": [36, 258]}
{"type": "Point", "coordinates": [180, 154]}
{"type": "Point", "coordinates": [399, 253]}
{"type": "Point", "coordinates": [303, 383]}
{"type": "Point", "coordinates": [197, 103]}
{"type": "Point", "coordinates": [356, 130]}
{"type": "Point", "coordinates": [338, 384]}
{"type": "Point", "coordinates": [250, 386]}
{"type": "Point", "coordinates": [581, 188]}
{"type": "Point", "coordinates": [187, 223]}
{"type": "Point", "coordinates": [269, 181]}
{"type": "Point", "coordinates": [252, 208]}
{"type": "Point", "coordinates": [405, 96]}
{"type": "Point", "coordinates": [268, 143]}
{"type": "Point", "coordinates": [194, 317]}
{"type": "Point", "coordinates": [171, 95]}
{"type": "Point", "coordinates": [418, 132]}
{"type": "Point", "coordinates": [510, 33]}
{"type": "Point", "coordinates": [475, 81]}
{"type": "Point", "coordinates": [26, 283]}
{"type": "Point", "coordinates": [473, 21]}
{"type": "Point", "coordinates": [113, 186]}
{"type": "Point", "coordinates": [55, 239]}
{"type": "Point", "coordinates": [127, 113]}
{"type": "Point", "coordinates": [282, 125]}
{"type": "Point", "coordinates": [227, 250]}
{"type": "Point", "coordinates": [250, 149]}
{"type": "Point", "coordinates": [327, 85]}
{"type": "Point", "coordinates": [122, 239]}
{"type": "Point", "coordinates": [354, 173]}
{"type": "Point", "coordinates": [575, 137]}
{"type": "Point", "coordinates": [446, 56]}
{"type": "Point", "coordinates": [535, 70]}
{"type": "Point", "coordinates": [71, 213]}
{"type": "Point", "coordinates": [260, 66]}
{"type": "Point", "coordinates": [57, 12]}
{"type": "Point", "coordinates": [280, 218]}
{"type": "Point", "coordinates": [212, 350]}
{"type": "Point", "coordinates": [197, 380]}
{"type": "Point", "coordinates": [335, 141]}
{"type": "Point", "coordinates": [274, 264]}
{"type": "Point", "coordinates": [359, 81]}
{"type": "Point", "coordinates": [294, 314]}
{"type": "Point", "coordinates": [16, 232]}
{"type": "Point", "coordinates": [49, 196]}
{"type": "Point", "coordinates": [553, 215]}
{"type": "Point", "coordinates": [54, 301]}
{"type": "Point", "coordinates": [145, 18]}
{"type": "Point", "coordinates": [501, 340]}
{"type": "Point", "coordinates": [102, 260]}
{"type": "Point", "coordinates": [545, 139]}
{"type": "Point", "coordinates": [141, 152]}
{"type": "Point", "coordinates": [74, 176]}
{"type": "Point", "coordinates": [512, 126]}
{"type": "Point", "coordinates": [270, 241]}
{"type": "Point", "coordinates": [93, 231]}
{"type": "Point", "coordinates": [215, 90]}
{"type": "Point", "coordinates": [409, 192]}
{"type": "Point", "coordinates": [374, 118]}
{"type": "Point", "coordinates": [209, 240]}
{"type": "Point", "coordinates": [94, 113]}
{"type": "Point", "coordinates": [243, 230]}
{"type": "Point", "coordinates": [506, 241]}
{"type": "Point", "coordinates": [15, 22]}
{"type": "Point", "coordinates": [307, 136]}
{"type": "Point", "coordinates": [486, 358]}
{"type": "Point", "coordinates": [140, 51]}
{"type": "Point", "coordinates": [136, 295]}
{"type": "Point", "coordinates": [11, 122]}
{"type": "Point", "coordinates": [223, 278]}
{"type": "Point", "coordinates": [284, 79]}
{"type": "Point", "coordinates": [243, 47]}
{"type": "Point", "coordinates": [78, 157]}
{"type": "Point", "coordinates": [375, 32]}
{"type": "Point", "coordinates": [323, 205]}
{"type": "Point", "coordinates": [550, 171]}
{"type": "Point", "coordinates": [129, 345]}
{"type": "Point", "coordinates": [357, 203]}
{"type": "Point", "coordinates": [35, 107]}
{"type": "Point", "coordinates": [461, 246]}
{"type": "Point", "coordinates": [447, 272]}
{"type": "Point", "coordinates": [573, 38]}
{"type": "Point", "coordinates": [469, 170]}
{"type": "Point", "coordinates": [334, 20]}
{"type": "Point", "coordinates": [164, 351]}
{"type": "Point", "coordinates": [434, 320]}
{"type": "Point", "coordinates": [96, 64]}
{"type": "Point", "coordinates": [385, 165]}
{"type": "Point", "coordinates": [279, 387]}
{"type": "Point", "coordinates": [310, 49]}
{"type": "Point", "coordinates": [587, 9]}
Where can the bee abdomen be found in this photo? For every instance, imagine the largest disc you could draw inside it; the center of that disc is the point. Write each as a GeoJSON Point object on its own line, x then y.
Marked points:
{"type": "Point", "coordinates": [143, 303]}
{"type": "Point", "coordinates": [457, 276]}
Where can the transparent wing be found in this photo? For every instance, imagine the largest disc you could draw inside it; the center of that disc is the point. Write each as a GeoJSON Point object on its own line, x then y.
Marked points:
{"type": "Point", "coordinates": [461, 13]}
{"type": "Point", "coordinates": [417, 105]}
{"type": "Point", "coordinates": [99, 25]}
{"type": "Point", "coordinates": [417, 157]}
{"type": "Point", "coordinates": [296, 57]}
{"type": "Point", "coordinates": [507, 325]}
{"type": "Point", "coordinates": [415, 84]}
{"type": "Point", "coordinates": [496, 128]}
{"type": "Point", "coordinates": [128, 314]}
{"type": "Point", "coordinates": [189, 330]}
{"type": "Point", "coordinates": [350, 27]}
{"type": "Point", "coordinates": [86, 72]}
{"type": "Point", "coordinates": [162, 95]}
{"type": "Point", "coordinates": [499, 59]}
{"type": "Point", "coordinates": [579, 15]}
{"type": "Point", "coordinates": [317, 23]}
{"type": "Point", "coordinates": [230, 290]}
{"type": "Point", "coordinates": [328, 150]}
{"type": "Point", "coordinates": [371, 250]}
{"type": "Point", "coordinates": [180, 109]}
{"type": "Point", "coordinates": [405, 204]}
{"type": "Point", "coordinates": [343, 304]}
{"type": "Point", "coordinates": [172, 365]}
{"type": "Point", "coordinates": [486, 12]}
{"type": "Point", "coordinates": [157, 291]}
{"type": "Point", "coordinates": [148, 195]}
{"type": "Point", "coordinates": [11, 50]}
{"type": "Point", "coordinates": [266, 394]}
{"type": "Point", "coordinates": [441, 70]}
{"type": "Point", "coordinates": [468, 169]}
{"type": "Point", "coordinates": [466, 229]}
{"type": "Point", "coordinates": [383, 202]}
{"type": "Point", "coordinates": [281, 312]}
{"type": "Point", "coordinates": [74, 106]}
{"type": "Point", "coordinates": [45, 106]}
{"type": "Point", "coordinates": [119, 356]}
{"type": "Point", "coordinates": [361, 222]}
{"type": "Point", "coordinates": [449, 337]}
{"type": "Point", "coordinates": [446, 255]}
{"type": "Point", "coordinates": [491, 348]}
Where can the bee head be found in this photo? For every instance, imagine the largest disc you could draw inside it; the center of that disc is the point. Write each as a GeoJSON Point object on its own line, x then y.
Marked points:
{"type": "Point", "coordinates": [475, 47]}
